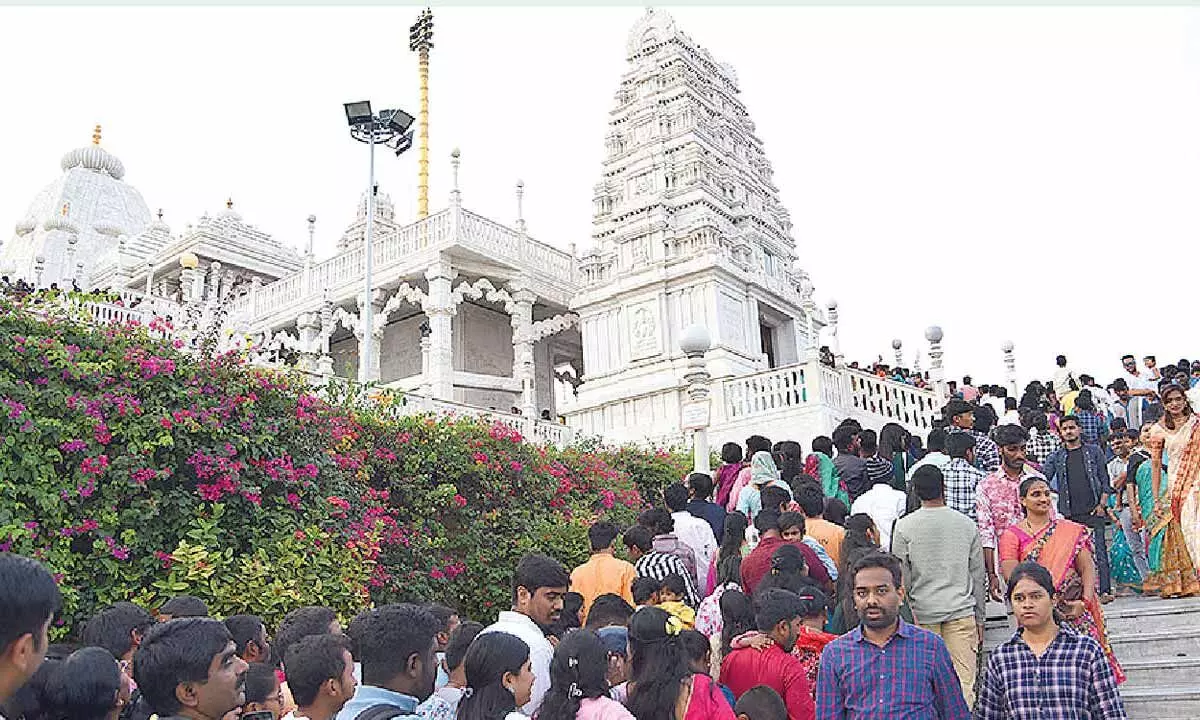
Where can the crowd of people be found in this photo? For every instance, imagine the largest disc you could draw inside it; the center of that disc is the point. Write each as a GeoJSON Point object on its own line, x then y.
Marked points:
{"type": "Point", "coordinates": [848, 582]}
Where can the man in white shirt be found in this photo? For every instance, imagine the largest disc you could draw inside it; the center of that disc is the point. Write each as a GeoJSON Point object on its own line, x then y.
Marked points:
{"type": "Point", "coordinates": [884, 504]}
{"type": "Point", "coordinates": [539, 585]}
{"type": "Point", "coordinates": [695, 532]}
{"type": "Point", "coordinates": [1063, 377]}
{"type": "Point", "coordinates": [1141, 389]}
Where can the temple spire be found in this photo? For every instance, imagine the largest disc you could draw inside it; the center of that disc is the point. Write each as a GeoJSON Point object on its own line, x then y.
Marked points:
{"type": "Point", "coordinates": [96, 135]}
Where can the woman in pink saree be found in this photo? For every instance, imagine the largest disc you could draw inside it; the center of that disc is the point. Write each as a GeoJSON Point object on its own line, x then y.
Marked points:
{"type": "Point", "coordinates": [1065, 549]}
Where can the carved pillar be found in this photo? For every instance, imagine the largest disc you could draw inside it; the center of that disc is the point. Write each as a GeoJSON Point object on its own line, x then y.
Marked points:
{"type": "Point", "coordinates": [378, 299]}
{"type": "Point", "coordinates": [834, 346]}
{"type": "Point", "coordinates": [522, 338]}
{"type": "Point", "coordinates": [897, 345]}
{"type": "Point", "coordinates": [328, 325]}
{"type": "Point", "coordinates": [426, 373]}
{"type": "Point", "coordinates": [440, 309]}
{"type": "Point", "coordinates": [187, 285]}
{"type": "Point", "coordinates": [215, 274]}
{"type": "Point", "coordinates": [308, 325]}
{"type": "Point", "coordinates": [149, 278]}
{"type": "Point", "coordinates": [936, 374]}
{"type": "Point", "coordinates": [72, 242]}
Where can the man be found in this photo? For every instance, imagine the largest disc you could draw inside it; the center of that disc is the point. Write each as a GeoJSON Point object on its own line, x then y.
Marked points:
{"type": "Point", "coordinates": [1041, 441]}
{"type": "Point", "coordinates": [878, 469]}
{"type": "Point", "coordinates": [539, 585]}
{"type": "Point", "coordinates": [1122, 444]}
{"type": "Point", "coordinates": [779, 614]}
{"type": "Point", "coordinates": [886, 668]}
{"type": "Point", "coordinates": [321, 675]}
{"type": "Point", "coordinates": [757, 564]}
{"type": "Point", "coordinates": [29, 600]}
{"type": "Point", "coordinates": [660, 523]}
{"type": "Point", "coordinates": [603, 573]}
{"type": "Point", "coordinates": [811, 500]}
{"type": "Point", "coordinates": [960, 417]}
{"type": "Point", "coordinates": [1079, 474]}
{"type": "Point", "coordinates": [300, 623]}
{"type": "Point", "coordinates": [182, 606]}
{"type": "Point", "coordinates": [702, 506]}
{"type": "Point", "coordinates": [189, 668]}
{"type": "Point", "coordinates": [118, 629]}
{"type": "Point", "coordinates": [448, 620]}
{"type": "Point", "coordinates": [1100, 396]}
{"type": "Point", "coordinates": [610, 610]}
{"type": "Point", "coordinates": [1140, 387]}
{"type": "Point", "coordinates": [961, 476]}
{"type": "Point", "coordinates": [396, 645]}
{"type": "Point", "coordinates": [998, 502]}
{"type": "Point", "coordinates": [851, 468]}
{"type": "Point", "coordinates": [456, 652]}
{"type": "Point", "coordinates": [968, 391]}
{"type": "Point", "coordinates": [650, 563]}
{"type": "Point", "coordinates": [250, 637]}
{"type": "Point", "coordinates": [944, 576]}
{"type": "Point", "coordinates": [994, 401]}
{"type": "Point", "coordinates": [1064, 379]}
{"type": "Point", "coordinates": [691, 530]}
{"type": "Point", "coordinates": [884, 504]}
{"type": "Point", "coordinates": [1128, 406]}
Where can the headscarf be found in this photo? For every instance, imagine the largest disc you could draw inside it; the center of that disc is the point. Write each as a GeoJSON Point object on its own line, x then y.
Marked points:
{"type": "Point", "coordinates": [762, 468]}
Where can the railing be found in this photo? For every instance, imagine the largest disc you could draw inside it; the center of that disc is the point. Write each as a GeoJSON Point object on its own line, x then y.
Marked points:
{"type": "Point", "coordinates": [896, 401]}
{"type": "Point", "coordinates": [533, 430]}
{"type": "Point", "coordinates": [494, 239]}
{"type": "Point", "coordinates": [765, 391]}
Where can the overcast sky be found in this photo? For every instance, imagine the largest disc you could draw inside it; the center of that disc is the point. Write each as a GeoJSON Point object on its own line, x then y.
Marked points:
{"type": "Point", "coordinates": [1007, 173]}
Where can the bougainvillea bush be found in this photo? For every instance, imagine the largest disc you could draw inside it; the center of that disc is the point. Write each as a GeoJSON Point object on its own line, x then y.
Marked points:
{"type": "Point", "coordinates": [136, 471]}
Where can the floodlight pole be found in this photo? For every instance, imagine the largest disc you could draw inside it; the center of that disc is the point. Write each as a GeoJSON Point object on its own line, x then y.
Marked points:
{"type": "Point", "coordinates": [368, 310]}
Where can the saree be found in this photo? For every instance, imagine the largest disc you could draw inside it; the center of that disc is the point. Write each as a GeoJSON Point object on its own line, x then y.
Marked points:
{"type": "Point", "coordinates": [1055, 548]}
{"type": "Point", "coordinates": [820, 466]}
{"type": "Point", "coordinates": [1176, 575]}
{"type": "Point", "coordinates": [707, 702]}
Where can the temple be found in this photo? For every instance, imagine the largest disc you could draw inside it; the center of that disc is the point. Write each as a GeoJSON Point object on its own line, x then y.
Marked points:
{"type": "Point", "coordinates": [475, 316]}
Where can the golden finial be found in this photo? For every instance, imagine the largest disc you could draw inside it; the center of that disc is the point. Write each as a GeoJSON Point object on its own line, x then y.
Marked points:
{"type": "Point", "coordinates": [229, 204]}
{"type": "Point", "coordinates": [96, 136]}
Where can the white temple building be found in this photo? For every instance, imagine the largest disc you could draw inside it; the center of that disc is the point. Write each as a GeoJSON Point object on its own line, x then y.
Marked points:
{"type": "Point", "coordinates": [474, 316]}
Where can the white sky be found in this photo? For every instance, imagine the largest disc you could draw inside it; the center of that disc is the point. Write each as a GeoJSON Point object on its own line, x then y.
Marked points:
{"type": "Point", "coordinates": [1008, 173]}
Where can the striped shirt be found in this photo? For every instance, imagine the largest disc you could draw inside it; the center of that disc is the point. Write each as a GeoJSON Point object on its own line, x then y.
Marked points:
{"type": "Point", "coordinates": [1072, 679]}
{"type": "Point", "coordinates": [659, 565]}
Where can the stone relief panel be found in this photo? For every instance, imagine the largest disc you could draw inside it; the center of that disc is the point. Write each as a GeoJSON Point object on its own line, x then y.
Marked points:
{"type": "Point", "coordinates": [492, 399]}
{"type": "Point", "coordinates": [345, 357]}
{"type": "Point", "coordinates": [400, 349]}
{"type": "Point", "coordinates": [731, 316]}
{"type": "Point", "coordinates": [483, 341]}
{"type": "Point", "coordinates": [645, 339]}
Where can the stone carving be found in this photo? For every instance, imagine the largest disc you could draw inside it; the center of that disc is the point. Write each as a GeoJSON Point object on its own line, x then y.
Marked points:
{"type": "Point", "coordinates": [643, 330]}
{"type": "Point", "coordinates": [732, 318]}
{"type": "Point", "coordinates": [482, 289]}
{"type": "Point", "coordinates": [404, 294]}
{"type": "Point", "coordinates": [552, 326]}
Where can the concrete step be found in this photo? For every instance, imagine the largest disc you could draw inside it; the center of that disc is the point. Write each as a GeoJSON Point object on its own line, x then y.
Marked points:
{"type": "Point", "coordinates": [1131, 647]}
{"type": "Point", "coordinates": [1162, 703]}
{"type": "Point", "coordinates": [1171, 672]}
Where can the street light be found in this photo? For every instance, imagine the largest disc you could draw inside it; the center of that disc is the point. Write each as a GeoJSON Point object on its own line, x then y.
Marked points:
{"type": "Point", "coordinates": [390, 129]}
{"type": "Point", "coordinates": [695, 341]}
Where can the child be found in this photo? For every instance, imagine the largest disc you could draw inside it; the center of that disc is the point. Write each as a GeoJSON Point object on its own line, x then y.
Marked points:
{"type": "Point", "coordinates": [760, 703]}
{"type": "Point", "coordinates": [670, 598]}
{"type": "Point", "coordinates": [645, 592]}
{"type": "Point", "coordinates": [698, 652]}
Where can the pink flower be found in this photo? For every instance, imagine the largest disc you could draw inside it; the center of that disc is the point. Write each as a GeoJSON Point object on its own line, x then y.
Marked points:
{"type": "Point", "coordinates": [459, 500]}
{"type": "Point", "coordinates": [143, 475]}
{"type": "Point", "coordinates": [516, 466]}
{"type": "Point", "coordinates": [294, 500]}
{"type": "Point", "coordinates": [94, 466]}
{"type": "Point", "coordinates": [73, 446]}
{"type": "Point", "coordinates": [480, 458]}
{"type": "Point", "coordinates": [437, 574]}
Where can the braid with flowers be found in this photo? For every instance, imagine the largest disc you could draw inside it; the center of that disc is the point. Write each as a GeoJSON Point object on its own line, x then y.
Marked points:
{"type": "Point", "coordinates": [579, 670]}
{"type": "Point", "coordinates": [658, 666]}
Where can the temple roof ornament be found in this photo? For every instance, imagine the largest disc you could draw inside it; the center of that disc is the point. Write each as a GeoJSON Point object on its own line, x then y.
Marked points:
{"type": "Point", "coordinates": [94, 157]}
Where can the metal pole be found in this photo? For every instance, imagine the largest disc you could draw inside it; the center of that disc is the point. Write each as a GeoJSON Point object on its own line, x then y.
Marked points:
{"type": "Point", "coordinates": [423, 159]}
{"type": "Point", "coordinates": [368, 310]}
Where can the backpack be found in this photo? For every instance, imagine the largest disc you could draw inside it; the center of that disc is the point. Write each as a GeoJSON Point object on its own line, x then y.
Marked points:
{"type": "Point", "coordinates": [382, 711]}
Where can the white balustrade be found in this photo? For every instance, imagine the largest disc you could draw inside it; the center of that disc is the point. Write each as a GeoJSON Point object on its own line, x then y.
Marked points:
{"type": "Point", "coordinates": [766, 391]}
{"type": "Point", "coordinates": [538, 431]}
{"type": "Point", "coordinates": [492, 238]}
{"type": "Point", "coordinates": [895, 401]}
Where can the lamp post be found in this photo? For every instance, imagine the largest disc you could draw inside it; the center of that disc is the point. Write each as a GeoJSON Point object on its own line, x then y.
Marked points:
{"type": "Point", "coordinates": [1010, 367]}
{"type": "Point", "coordinates": [897, 345]}
{"type": "Point", "coordinates": [695, 342]}
{"type": "Point", "coordinates": [934, 335]}
{"type": "Point", "coordinates": [388, 128]}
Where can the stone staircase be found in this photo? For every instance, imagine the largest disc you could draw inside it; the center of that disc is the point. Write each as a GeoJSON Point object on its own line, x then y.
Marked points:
{"type": "Point", "coordinates": [1158, 644]}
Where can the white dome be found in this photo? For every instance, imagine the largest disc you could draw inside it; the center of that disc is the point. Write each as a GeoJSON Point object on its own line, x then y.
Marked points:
{"type": "Point", "coordinates": [95, 158]}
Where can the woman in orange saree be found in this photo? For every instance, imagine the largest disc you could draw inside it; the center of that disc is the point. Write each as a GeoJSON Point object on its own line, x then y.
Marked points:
{"type": "Point", "coordinates": [1174, 522]}
{"type": "Point", "coordinates": [1065, 549]}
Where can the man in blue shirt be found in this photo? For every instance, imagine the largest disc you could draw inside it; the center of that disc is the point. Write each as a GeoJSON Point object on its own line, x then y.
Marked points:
{"type": "Point", "coordinates": [1079, 474]}
{"type": "Point", "coordinates": [396, 645]}
{"type": "Point", "coordinates": [886, 669]}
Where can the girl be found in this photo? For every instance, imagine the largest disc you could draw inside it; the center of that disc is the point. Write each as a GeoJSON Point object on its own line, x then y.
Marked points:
{"type": "Point", "coordinates": [724, 574]}
{"type": "Point", "coordinates": [499, 678]}
{"type": "Point", "coordinates": [662, 686]}
{"type": "Point", "coordinates": [578, 682]}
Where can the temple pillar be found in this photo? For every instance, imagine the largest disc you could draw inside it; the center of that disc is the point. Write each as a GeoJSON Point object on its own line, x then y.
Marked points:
{"type": "Point", "coordinates": [378, 300]}
{"type": "Point", "coordinates": [440, 309]}
{"type": "Point", "coordinates": [308, 325]}
{"type": "Point", "coordinates": [522, 339]}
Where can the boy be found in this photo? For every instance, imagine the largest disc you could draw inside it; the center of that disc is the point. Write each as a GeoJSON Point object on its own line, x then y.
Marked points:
{"type": "Point", "coordinates": [670, 598]}
{"type": "Point", "coordinates": [645, 591]}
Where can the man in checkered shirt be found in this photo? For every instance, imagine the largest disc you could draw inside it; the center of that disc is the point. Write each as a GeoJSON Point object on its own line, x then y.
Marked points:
{"type": "Point", "coordinates": [961, 418]}
{"type": "Point", "coordinates": [960, 474]}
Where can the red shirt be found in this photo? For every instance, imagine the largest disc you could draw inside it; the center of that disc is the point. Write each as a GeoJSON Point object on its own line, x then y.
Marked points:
{"type": "Point", "coordinates": [782, 672]}
{"type": "Point", "coordinates": [757, 564]}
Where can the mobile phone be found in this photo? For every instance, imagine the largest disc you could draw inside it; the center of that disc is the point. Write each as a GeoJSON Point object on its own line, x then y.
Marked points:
{"type": "Point", "coordinates": [259, 715]}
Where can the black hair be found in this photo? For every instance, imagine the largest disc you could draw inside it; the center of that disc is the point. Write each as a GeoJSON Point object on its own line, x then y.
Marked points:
{"type": "Point", "coordinates": [174, 652]}
{"type": "Point", "coordinates": [761, 702]}
{"type": "Point", "coordinates": [658, 666]}
{"type": "Point", "coordinates": [488, 660]}
{"type": "Point", "coordinates": [855, 544]}
{"type": "Point", "coordinates": [843, 437]}
{"type": "Point", "coordinates": [244, 628]}
{"type": "Point", "coordinates": [310, 663]}
{"type": "Point", "coordinates": [755, 443]}
{"type": "Point", "coordinates": [835, 511]}
{"type": "Point", "coordinates": [112, 628]}
{"type": "Point", "coordinates": [640, 537]}
{"type": "Point", "coordinates": [460, 640]}
{"type": "Point", "coordinates": [695, 647]}
{"type": "Point", "coordinates": [657, 520]}
{"type": "Point", "coordinates": [701, 485]}
{"type": "Point", "coordinates": [602, 534]}
{"type": "Point", "coordinates": [29, 702]}
{"type": "Point", "coordinates": [1068, 419]}
{"type": "Point", "coordinates": [85, 685]}
{"type": "Point", "coordinates": [261, 682]}
{"type": "Point", "coordinates": [1010, 403]}
{"type": "Point", "coordinates": [774, 497]}
{"type": "Point", "coordinates": [184, 606]}
{"type": "Point", "coordinates": [731, 453]}
{"type": "Point", "coordinates": [868, 442]}
{"type": "Point", "coordinates": [766, 519]}
{"type": "Point", "coordinates": [884, 560]}
{"type": "Point", "coordinates": [959, 443]}
{"type": "Point", "coordinates": [297, 624]}
{"type": "Point", "coordinates": [643, 588]}
{"type": "Point", "coordinates": [788, 456]}
{"type": "Point", "coordinates": [787, 570]}
{"type": "Point", "coordinates": [1084, 402]}
{"type": "Point", "coordinates": [811, 499]}
{"type": "Point", "coordinates": [1028, 483]}
{"type": "Point", "coordinates": [443, 614]}
{"type": "Point", "coordinates": [607, 609]}
{"type": "Point", "coordinates": [928, 482]}
{"type": "Point", "coordinates": [1010, 435]}
{"type": "Point", "coordinates": [1061, 360]}
{"type": "Point", "coordinates": [540, 571]}
{"type": "Point", "coordinates": [893, 438]}
{"type": "Point", "coordinates": [674, 583]}
{"type": "Point", "coordinates": [1033, 571]}
{"type": "Point", "coordinates": [676, 497]}
{"type": "Point", "coordinates": [729, 554]}
{"type": "Point", "coordinates": [568, 619]}
{"type": "Point", "coordinates": [579, 670]}
{"type": "Point", "coordinates": [823, 444]}
{"type": "Point", "coordinates": [813, 601]}
{"type": "Point", "coordinates": [385, 638]}
{"type": "Point", "coordinates": [791, 520]}
{"type": "Point", "coordinates": [28, 598]}
{"type": "Point", "coordinates": [774, 606]}
{"type": "Point", "coordinates": [936, 442]}
{"type": "Point", "coordinates": [737, 618]}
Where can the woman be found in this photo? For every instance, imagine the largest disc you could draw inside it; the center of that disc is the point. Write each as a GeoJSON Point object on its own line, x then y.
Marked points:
{"type": "Point", "coordinates": [1065, 549]}
{"type": "Point", "coordinates": [788, 457]}
{"type": "Point", "coordinates": [820, 465]}
{"type": "Point", "coordinates": [731, 465]}
{"type": "Point", "coordinates": [1013, 685]}
{"type": "Point", "coordinates": [1140, 468]}
{"type": "Point", "coordinates": [788, 571]}
{"type": "Point", "coordinates": [737, 619]}
{"type": "Point", "coordinates": [724, 574]}
{"type": "Point", "coordinates": [579, 682]}
{"type": "Point", "coordinates": [661, 685]}
{"type": "Point", "coordinates": [894, 442]}
{"type": "Point", "coordinates": [499, 678]}
{"type": "Point", "coordinates": [89, 685]}
{"type": "Point", "coordinates": [698, 652]}
{"type": "Point", "coordinates": [1177, 508]}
